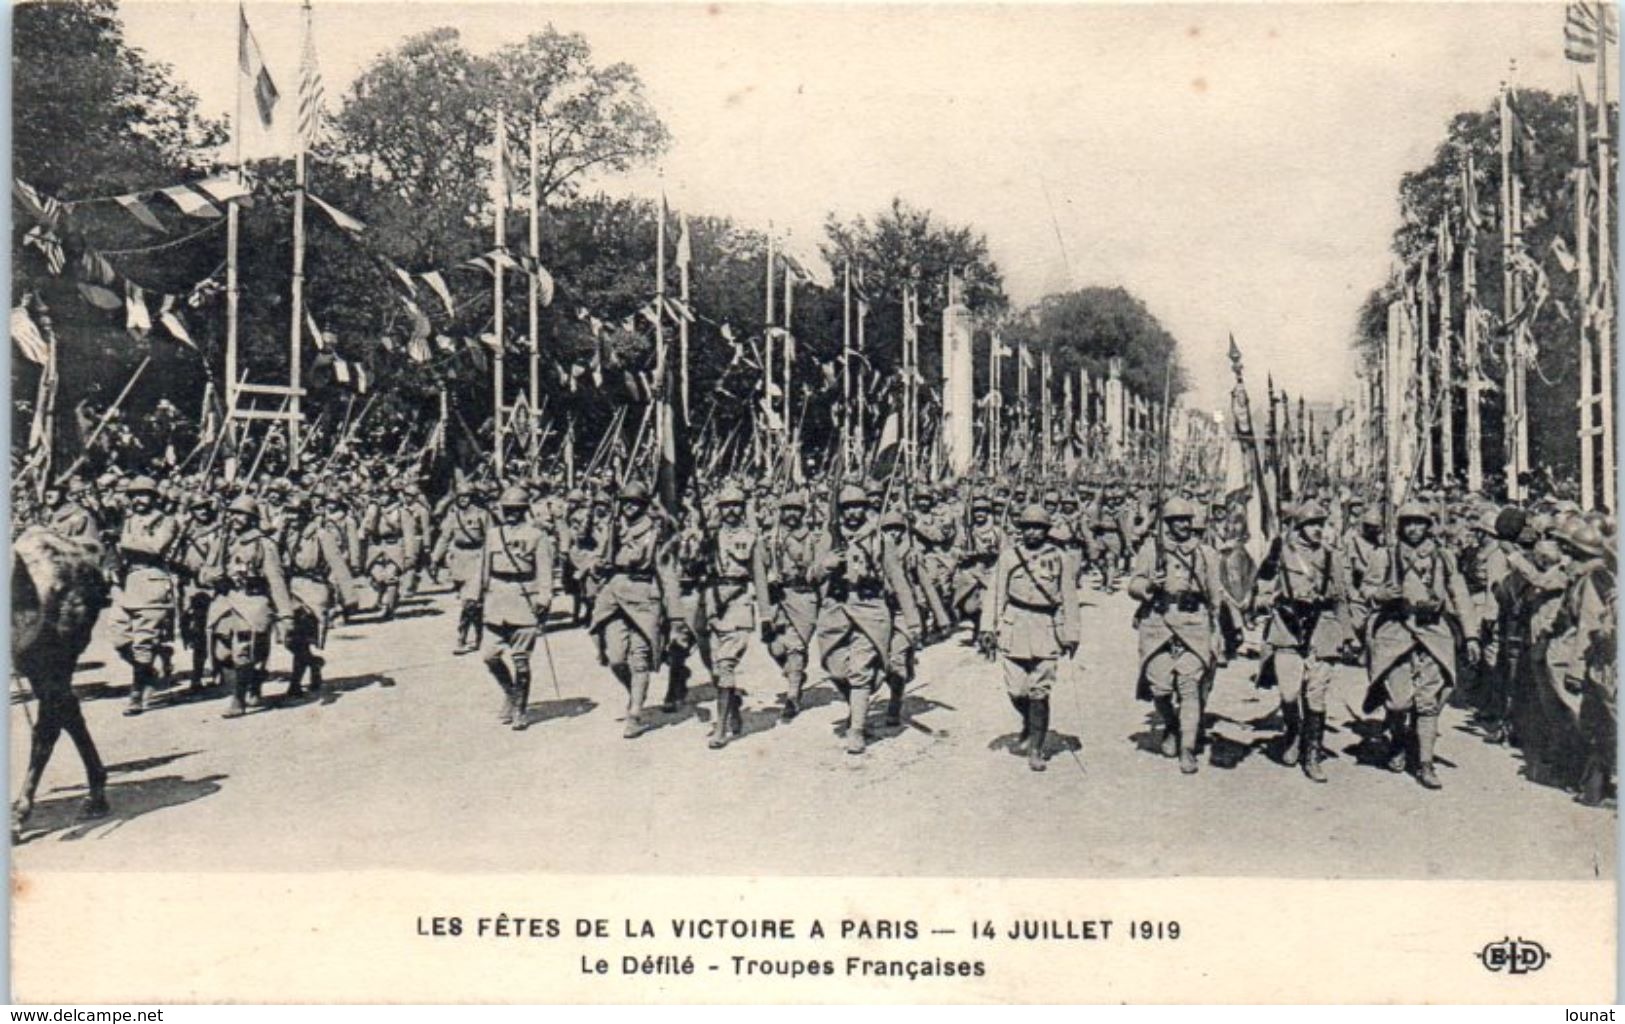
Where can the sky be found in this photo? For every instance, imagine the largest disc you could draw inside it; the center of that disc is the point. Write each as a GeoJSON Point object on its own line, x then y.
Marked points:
{"type": "Point", "coordinates": [1234, 165]}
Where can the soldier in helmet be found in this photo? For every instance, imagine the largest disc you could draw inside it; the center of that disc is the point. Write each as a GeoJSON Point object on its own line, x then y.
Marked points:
{"type": "Point", "coordinates": [1415, 590]}
{"type": "Point", "coordinates": [201, 546]}
{"type": "Point", "coordinates": [636, 600]}
{"type": "Point", "coordinates": [737, 601]}
{"type": "Point", "coordinates": [860, 578]}
{"type": "Point", "coordinates": [896, 536]}
{"type": "Point", "coordinates": [1176, 581]}
{"type": "Point", "coordinates": [516, 591]}
{"type": "Point", "coordinates": [1301, 583]}
{"type": "Point", "coordinates": [72, 516]}
{"type": "Point", "coordinates": [316, 568]}
{"type": "Point", "coordinates": [459, 549]}
{"type": "Point", "coordinates": [252, 597]}
{"type": "Point", "coordinates": [392, 544]}
{"type": "Point", "coordinates": [976, 557]}
{"type": "Point", "coordinates": [582, 542]}
{"type": "Point", "coordinates": [1029, 622]}
{"type": "Point", "coordinates": [146, 599]}
{"type": "Point", "coordinates": [792, 579]}
{"type": "Point", "coordinates": [933, 535]}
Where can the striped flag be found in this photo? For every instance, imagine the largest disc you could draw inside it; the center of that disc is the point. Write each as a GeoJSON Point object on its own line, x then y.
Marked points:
{"type": "Point", "coordinates": [1581, 23]}
{"type": "Point", "coordinates": [251, 65]}
{"type": "Point", "coordinates": [28, 337]}
{"type": "Point", "coordinates": [310, 88]}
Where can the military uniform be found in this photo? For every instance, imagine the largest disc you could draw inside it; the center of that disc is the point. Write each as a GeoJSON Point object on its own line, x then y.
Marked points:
{"type": "Point", "coordinates": [516, 591]}
{"type": "Point", "coordinates": [976, 558]}
{"type": "Point", "coordinates": [1301, 583]}
{"type": "Point", "coordinates": [736, 599]}
{"type": "Point", "coordinates": [392, 545]}
{"type": "Point", "coordinates": [860, 579]}
{"type": "Point", "coordinates": [1178, 632]}
{"type": "Point", "coordinates": [1031, 615]}
{"type": "Point", "coordinates": [1419, 600]}
{"type": "Point", "coordinates": [252, 597]}
{"type": "Point", "coordinates": [200, 548]}
{"type": "Point", "coordinates": [316, 568]}
{"type": "Point", "coordinates": [146, 602]}
{"type": "Point", "coordinates": [792, 575]}
{"type": "Point", "coordinates": [637, 599]}
{"type": "Point", "coordinates": [933, 537]}
{"type": "Point", "coordinates": [460, 547]}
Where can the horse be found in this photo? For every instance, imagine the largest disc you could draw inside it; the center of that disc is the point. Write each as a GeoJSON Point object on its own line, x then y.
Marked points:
{"type": "Point", "coordinates": [57, 591]}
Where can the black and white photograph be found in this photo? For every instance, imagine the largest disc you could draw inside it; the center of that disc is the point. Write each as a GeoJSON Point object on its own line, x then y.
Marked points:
{"type": "Point", "coordinates": [597, 452]}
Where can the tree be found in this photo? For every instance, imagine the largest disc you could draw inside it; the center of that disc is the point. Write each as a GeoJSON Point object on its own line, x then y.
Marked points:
{"type": "Point", "coordinates": [1088, 328]}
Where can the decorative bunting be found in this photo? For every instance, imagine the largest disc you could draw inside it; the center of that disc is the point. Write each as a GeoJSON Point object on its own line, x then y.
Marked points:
{"type": "Point", "coordinates": [137, 209]}
{"type": "Point", "coordinates": [27, 335]}
{"type": "Point", "coordinates": [339, 217]}
{"type": "Point", "coordinates": [172, 322]}
{"type": "Point", "coordinates": [136, 319]}
{"type": "Point", "coordinates": [437, 283]}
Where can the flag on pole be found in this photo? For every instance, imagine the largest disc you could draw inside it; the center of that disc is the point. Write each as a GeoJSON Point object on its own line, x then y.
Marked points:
{"type": "Point", "coordinates": [342, 219]}
{"type": "Point", "coordinates": [310, 88]}
{"type": "Point", "coordinates": [1469, 195]}
{"type": "Point", "coordinates": [27, 335]}
{"type": "Point", "coordinates": [136, 318]}
{"type": "Point", "coordinates": [685, 251]}
{"type": "Point", "coordinates": [1582, 24]}
{"type": "Point", "coordinates": [251, 65]}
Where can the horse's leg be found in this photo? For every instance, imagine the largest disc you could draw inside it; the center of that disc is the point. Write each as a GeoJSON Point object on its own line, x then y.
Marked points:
{"type": "Point", "coordinates": [46, 731]}
{"type": "Point", "coordinates": [78, 730]}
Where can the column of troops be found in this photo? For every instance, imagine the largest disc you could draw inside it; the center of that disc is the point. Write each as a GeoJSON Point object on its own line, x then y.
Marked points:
{"type": "Point", "coordinates": [1510, 609]}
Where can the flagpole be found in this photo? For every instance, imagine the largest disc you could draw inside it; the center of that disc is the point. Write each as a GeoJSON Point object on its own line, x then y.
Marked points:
{"type": "Point", "coordinates": [1447, 405]}
{"type": "Point", "coordinates": [789, 355]}
{"type": "Point", "coordinates": [846, 362]}
{"type": "Point", "coordinates": [1582, 277]}
{"type": "Point", "coordinates": [682, 321]}
{"type": "Point", "coordinates": [297, 292]}
{"type": "Point", "coordinates": [1470, 340]}
{"type": "Point", "coordinates": [1605, 264]}
{"type": "Point", "coordinates": [499, 175]}
{"type": "Point", "coordinates": [767, 335]}
{"type": "Point", "coordinates": [232, 229]}
{"type": "Point", "coordinates": [535, 300]}
{"type": "Point", "coordinates": [660, 318]}
{"type": "Point", "coordinates": [1508, 305]}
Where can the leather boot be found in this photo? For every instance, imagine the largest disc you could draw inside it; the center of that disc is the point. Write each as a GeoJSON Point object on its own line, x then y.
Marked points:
{"type": "Point", "coordinates": [388, 602]}
{"type": "Point", "coordinates": [252, 677]}
{"type": "Point", "coordinates": [1023, 742]}
{"type": "Point", "coordinates": [140, 679]}
{"type": "Point", "coordinates": [676, 685]}
{"type": "Point", "coordinates": [637, 694]}
{"type": "Point", "coordinates": [1398, 741]}
{"type": "Point", "coordinates": [1427, 732]}
{"type": "Point", "coordinates": [197, 669]}
{"type": "Point", "coordinates": [232, 679]}
{"type": "Point", "coordinates": [499, 672]}
{"type": "Point", "coordinates": [1190, 733]}
{"type": "Point", "coordinates": [317, 662]}
{"type": "Point", "coordinates": [296, 677]}
{"type": "Point", "coordinates": [794, 681]}
{"type": "Point", "coordinates": [857, 711]}
{"type": "Point", "coordinates": [1288, 746]}
{"type": "Point", "coordinates": [1038, 729]}
{"type": "Point", "coordinates": [719, 720]}
{"type": "Point", "coordinates": [736, 719]}
{"type": "Point", "coordinates": [1313, 733]}
{"type": "Point", "coordinates": [521, 697]}
{"type": "Point", "coordinates": [1170, 726]}
{"type": "Point", "coordinates": [894, 701]}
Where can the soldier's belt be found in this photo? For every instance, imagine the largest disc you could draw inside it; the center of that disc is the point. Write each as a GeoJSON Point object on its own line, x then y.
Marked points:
{"type": "Point", "coordinates": [143, 559]}
{"type": "Point", "coordinates": [512, 577]}
{"type": "Point", "coordinates": [473, 545]}
{"type": "Point", "coordinates": [635, 575]}
{"type": "Point", "coordinates": [1033, 606]}
{"type": "Point", "coordinates": [861, 591]}
{"type": "Point", "coordinates": [1182, 602]}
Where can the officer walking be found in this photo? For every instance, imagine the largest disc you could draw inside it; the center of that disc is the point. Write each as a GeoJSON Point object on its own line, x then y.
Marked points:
{"type": "Point", "coordinates": [792, 554]}
{"type": "Point", "coordinates": [737, 601]}
{"type": "Point", "coordinates": [252, 598]}
{"type": "Point", "coordinates": [459, 548]}
{"type": "Point", "coordinates": [146, 600]}
{"type": "Point", "coordinates": [516, 591]}
{"type": "Point", "coordinates": [1030, 621]}
{"type": "Point", "coordinates": [637, 598]}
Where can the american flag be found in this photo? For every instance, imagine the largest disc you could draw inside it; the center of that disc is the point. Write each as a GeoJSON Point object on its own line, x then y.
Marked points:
{"type": "Point", "coordinates": [1580, 26]}
{"type": "Point", "coordinates": [310, 88]}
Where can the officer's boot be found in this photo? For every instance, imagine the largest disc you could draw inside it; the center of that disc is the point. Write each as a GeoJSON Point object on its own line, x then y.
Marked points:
{"type": "Point", "coordinates": [1427, 732]}
{"type": "Point", "coordinates": [794, 680]}
{"type": "Point", "coordinates": [140, 679]}
{"type": "Point", "coordinates": [1287, 747]}
{"type": "Point", "coordinates": [388, 601]}
{"type": "Point", "coordinates": [1398, 741]}
{"type": "Point", "coordinates": [719, 722]}
{"type": "Point", "coordinates": [198, 658]}
{"type": "Point", "coordinates": [166, 657]}
{"type": "Point", "coordinates": [1038, 730]}
{"type": "Point", "coordinates": [736, 705]}
{"type": "Point", "coordinates": [521, 696]}
{"type": "Point", "coordinates": [1025, 740]}
{"type": "Point", "coordinates": [462, 630]}
{"type": "Point", "coordinates": [1170, 725]}
{"type": "Point", "coordinates": [499, 672]}
{"type": "Point", "coordinates": [1190, 733]}
{"type": "Point", "coordinates": [677, 677]}
{"type": "Point", "coordinates": [1314, 733]}
{"type": "Point", "coordinates": [316, 662]}
{"type": "Point", "coordinates": [252, 676]}
{"type": "Point", "coordinates": [232, 679]}
{"type": "Point", "coordinates": [296, 676]}
{"type": "Point", "coordinates": [857, 711]}
{"type": "Point", "coordinates": [894, 700]}
{"type": "Point", "coordinates": [637, 693]}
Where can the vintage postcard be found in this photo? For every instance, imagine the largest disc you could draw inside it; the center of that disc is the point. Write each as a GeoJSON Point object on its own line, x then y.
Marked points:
{"type": "Point", "coordinates": [805, 502]}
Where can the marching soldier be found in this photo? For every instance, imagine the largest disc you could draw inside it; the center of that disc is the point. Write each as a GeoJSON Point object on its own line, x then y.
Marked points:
{"type": "Point", "coordinates": [933, 537]}
{"type": "Point", "coordinates": [252, 597]}
{"type": "Point", "coordinates": [792, 554]}
{"type": "Point", "coordinates": [860, 577]}
{"type": "Point", "coordinates": [737, 601]}
{"type": "Point", "coordinates": [316, 565]}
{"type": "Point", "coordinates": [583, 545]}
{"type": "Point", "coordinates": [416, 506]}
{"type": "Point", "coordinates": [72, 516]}
{"type": "Point", "coordinates": [976, 558]}
{"type": "Point", "coordinates": [392, 543]}
{"type": "Point", "coordinates": [895, 535]}
{"type": "Point", "coordinates": [1300, 583]}
{"type": "Point", "coordinates": [459, 549]}
{"type": "Point", "coordinates": [635, 602]}
{"type": "Point", "coordinates": [1415, 590]}
{"type": "Point", "coordinates": [146, 600]}
{"type": "Point", "coordinates": [516, 591]}
{"type": "Point", "coordinates": [688, 635]}
{"type": "Point", "coordinates": [1177, 584]}
{"type": "Point", "coordinates": [1029, 622]}
{"type": "Point", "coordinates": [201, 546]}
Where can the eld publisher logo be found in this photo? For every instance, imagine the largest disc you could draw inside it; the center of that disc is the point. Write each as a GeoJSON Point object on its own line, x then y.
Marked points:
{"type": "Point", "coordinates": [1514, 956]}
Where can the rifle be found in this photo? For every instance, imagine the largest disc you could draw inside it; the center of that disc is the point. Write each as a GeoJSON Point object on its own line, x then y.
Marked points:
{"type": "Point", "coordinates": [1162, 462]}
